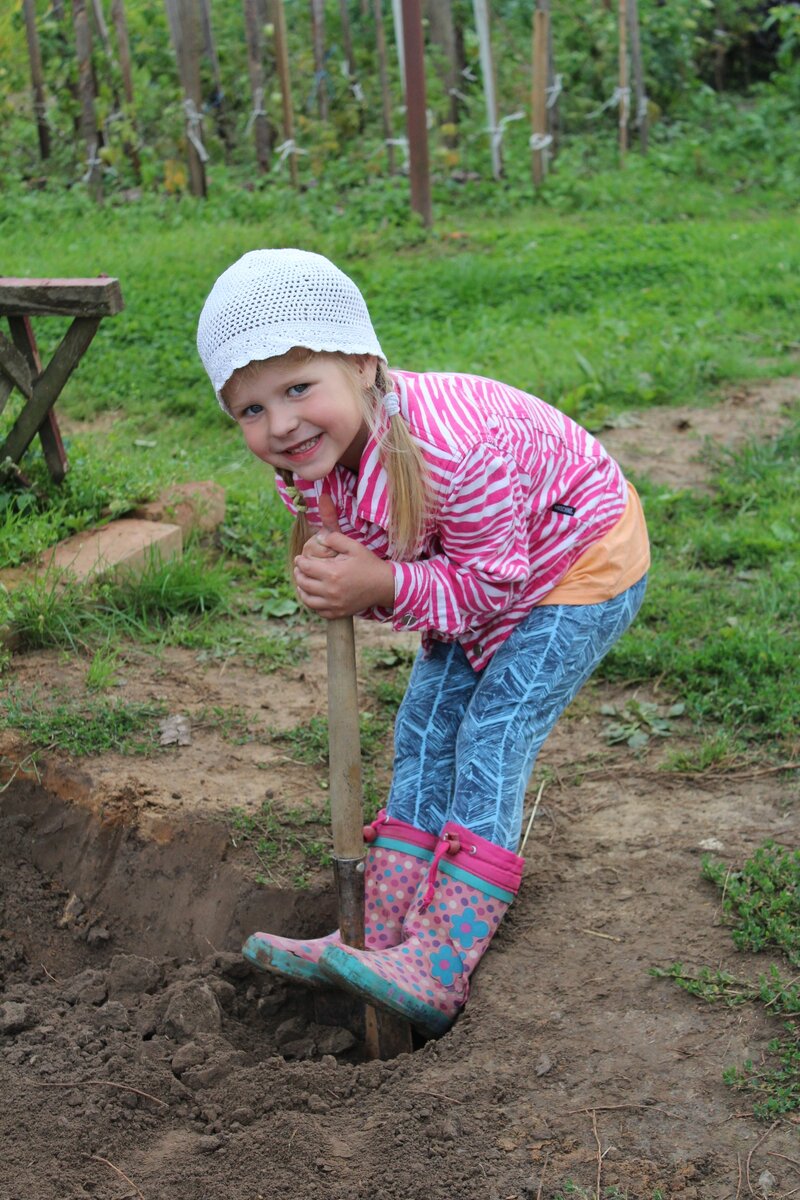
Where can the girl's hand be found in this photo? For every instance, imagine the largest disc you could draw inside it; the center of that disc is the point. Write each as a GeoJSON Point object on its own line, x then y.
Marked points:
{"type": "Point", "coordinates": [337, 576]}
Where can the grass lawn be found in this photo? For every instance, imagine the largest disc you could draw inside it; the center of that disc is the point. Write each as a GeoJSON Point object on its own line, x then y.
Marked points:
{"type": "Point", "coordinates": [623, 289]}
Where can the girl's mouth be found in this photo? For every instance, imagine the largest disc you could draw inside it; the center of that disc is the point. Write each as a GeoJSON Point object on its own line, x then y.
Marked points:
{"type": "Point", "coordinates": [304, 449]}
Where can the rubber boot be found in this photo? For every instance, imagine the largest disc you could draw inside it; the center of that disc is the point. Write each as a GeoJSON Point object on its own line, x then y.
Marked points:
{"type": "Point", "coordinates": [458, 907]}
{"type": "Point", "coordinates": [398, 856]}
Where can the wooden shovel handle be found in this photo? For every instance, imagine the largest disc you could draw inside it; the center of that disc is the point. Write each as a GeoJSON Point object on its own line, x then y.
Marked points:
{"type": "Point", "coordinates": [386, 1036]}
{"type": "Point", "coordinates": [344, 752]}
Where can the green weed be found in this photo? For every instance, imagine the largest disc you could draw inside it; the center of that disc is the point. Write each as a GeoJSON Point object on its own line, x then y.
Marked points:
{"type": "Point", "coordinates": [81, 728]}
{"type": "Point", "coordinates": [639, 720]}
{"type": "Point", "coordinates": [275, 840]}
{"type": "Point", "coordinates": [188, 585]}
{"type": "Point", "coordinates": [102, 673]}
{"type": "Point", "coordinates": [763, 899]}
{"type": "Point", "coordinates": [733, 660]}
{"type": "Point", "coordinates": [233, 724]}
{"type": "Point", "coordinates": [716, 752]}
{"type": "Point", "coordinates": [49, 612]}
{"type": "Point", "coordinates": [575, 1192]}
{"type": "Point", "coordinates": [309, 742]}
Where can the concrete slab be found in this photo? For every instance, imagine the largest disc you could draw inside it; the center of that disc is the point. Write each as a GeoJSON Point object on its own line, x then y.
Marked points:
{"type": "Point", "coordinates": [121, 547]}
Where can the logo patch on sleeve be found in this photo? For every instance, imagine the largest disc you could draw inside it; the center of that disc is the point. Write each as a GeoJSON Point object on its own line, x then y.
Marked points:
{"type": "Point", "coordinates": [566, 510]}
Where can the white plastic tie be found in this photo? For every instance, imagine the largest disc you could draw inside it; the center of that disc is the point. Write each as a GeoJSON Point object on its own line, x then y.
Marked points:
{"type": "Point", "coordinates": [258, 109]}
{"type": "Point", "coordinates": [194, 126]}
{"type": "Point", "coordinates": [540, 141]}
{"type": "Point", "coordinates": [641, 111]}
{"type": "Point", "coordinates": [620, 96]}
{"type": "Point", "coordinates": [284, 150]}
{"type": "Point", "coordinates": [496, 134]}
{"type": "Point", "coordinates": [402, 142]}
{"type": "Point", "coordinates": [554, 91]}
{"type": "Point", "coordinates": [92, 161]}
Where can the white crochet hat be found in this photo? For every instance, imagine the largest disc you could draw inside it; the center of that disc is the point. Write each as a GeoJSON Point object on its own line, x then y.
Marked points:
{"type": "Point", "coordinates": [272, 300]}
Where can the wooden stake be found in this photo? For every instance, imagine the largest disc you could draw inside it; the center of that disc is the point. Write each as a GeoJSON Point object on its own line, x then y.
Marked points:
{"type": "Point", "coordinates": [439, 14]}
{"type": "Point", "coordinates": [539, 131]}
{"type": "Point", "coordinates": [318, 39]}
{"type": "Point", "coordinates": [624, 89]}
{"type": "Point", "coordinates": [416, 111]}
{"type": "Point", "coordinates": [88, 121]}
{"type": "Point", "coordinates": [123, 49]}
{"type": "Point", "coordinates": [481, 10]}
{"type": "Point", "coordinates": [102, 30]}
{"type": "Point", "coordinates": [124, 53]}
{"type": "Point", "coordinates": [553, 90]}
{"type": "Point", "coordinates": [347, 39]}
{"type": "Point", "coordinates": [638, 74]}
{"type": "Point", "coordinates": [399, 38]}
{"type": "Point", "coordinates": [255, 69]}
{"type": "Point", "coordinates": [182, 22]}
{"type": "Point", "coordinates": [37, 79]}
{"type": "Point", "coordinates": [383, 71]}
{"type": "Point", "coordinates": [278, 22]}
{"type": "Point", "coordinates": [344, 752]}
{"type": "Point", "coordinates": [221, 119]}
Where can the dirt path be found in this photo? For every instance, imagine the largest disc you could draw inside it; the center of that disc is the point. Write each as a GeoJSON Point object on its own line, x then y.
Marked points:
{"type": "Point", "coordinates": [139, 1056]}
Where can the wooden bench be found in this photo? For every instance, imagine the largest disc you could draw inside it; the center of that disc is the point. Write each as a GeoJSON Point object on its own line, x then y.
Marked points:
{"type": "Point", "coordinates": [87, 301]}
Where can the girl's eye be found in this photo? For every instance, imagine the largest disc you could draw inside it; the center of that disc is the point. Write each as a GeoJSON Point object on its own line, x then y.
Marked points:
{"type": "Point", "coordinates": [252, 410]}
{"type": "Point", "coordinates": [297, 389]}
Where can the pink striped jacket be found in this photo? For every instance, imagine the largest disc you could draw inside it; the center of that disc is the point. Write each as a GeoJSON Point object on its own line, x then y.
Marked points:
{"type": "Point", "coordinates": [520, 491]}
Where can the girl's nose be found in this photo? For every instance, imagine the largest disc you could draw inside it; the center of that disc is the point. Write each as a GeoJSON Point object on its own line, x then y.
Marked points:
{"type": "Point", "coordinates": [282, 422]}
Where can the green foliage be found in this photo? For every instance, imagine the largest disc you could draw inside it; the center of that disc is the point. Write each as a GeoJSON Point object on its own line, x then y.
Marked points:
{"type": "Point", "coordinates": [102, 673]}
{"type": "Point", "coordinates": [573, 1191]}
{"type": "Point", "coordinates": [732, 661]}
{"type": "Point", "coordinates": [274, 839]}
{"type": "Point", "coordinates": [309, 741]}
{"type": "Point", "coordinates": [687, 48]}
{"type": "Point", "coordinates": [187, 585]}
{"type": "Point", "coordinates": [639, 720]}
{"type": "Point", "coordinates": [81, 727]}
{"type": "Point", "coordinates": [233, 724]}
{"type": "Point", "coordinates": [763, 898]}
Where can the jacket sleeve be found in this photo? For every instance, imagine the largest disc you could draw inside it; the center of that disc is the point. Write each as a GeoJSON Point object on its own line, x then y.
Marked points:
{"type": "Point", "coordinates": [483, 550]}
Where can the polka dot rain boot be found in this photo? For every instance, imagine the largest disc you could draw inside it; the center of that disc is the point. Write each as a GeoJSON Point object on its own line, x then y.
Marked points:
{"type": "Point", "coordinates": [459, 905]}
{"type": "Point", "coordinates": [398, 856]}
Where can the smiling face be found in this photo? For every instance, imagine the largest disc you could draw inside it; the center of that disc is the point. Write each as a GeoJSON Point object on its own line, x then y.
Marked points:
{"type": "Point", "coordinates": [303, 413]}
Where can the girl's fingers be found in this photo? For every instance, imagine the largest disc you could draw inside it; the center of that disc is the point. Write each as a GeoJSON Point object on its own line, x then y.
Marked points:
{"type": "Point", "coordinates": [315, 567]}
{"type": "Point", "coordinates": [316, 585]}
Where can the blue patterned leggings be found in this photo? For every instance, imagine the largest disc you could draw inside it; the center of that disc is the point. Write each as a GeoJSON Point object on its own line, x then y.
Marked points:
{"type": "Point", "coordinates": [466, 741]}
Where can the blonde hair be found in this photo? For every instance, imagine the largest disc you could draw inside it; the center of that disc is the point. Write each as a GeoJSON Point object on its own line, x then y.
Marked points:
{"type": "Point", "coordinates": [408, 483]}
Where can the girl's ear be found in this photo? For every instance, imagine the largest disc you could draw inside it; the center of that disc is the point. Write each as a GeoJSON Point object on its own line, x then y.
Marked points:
{"type": "Point", "coordinates": [367, 365]}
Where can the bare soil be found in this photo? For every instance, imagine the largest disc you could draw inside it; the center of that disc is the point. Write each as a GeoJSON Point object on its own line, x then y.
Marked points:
{"type": "Point", "coordinates": [141, 1057]}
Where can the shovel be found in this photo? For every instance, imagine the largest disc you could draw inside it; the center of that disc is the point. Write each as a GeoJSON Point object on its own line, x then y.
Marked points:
{"type": "Point", "coordinates": [385, 1036]}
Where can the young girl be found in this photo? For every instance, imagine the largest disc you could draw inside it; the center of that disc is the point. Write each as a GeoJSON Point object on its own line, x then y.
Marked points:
{"type": "Point", "coordinates": [459, 507]}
